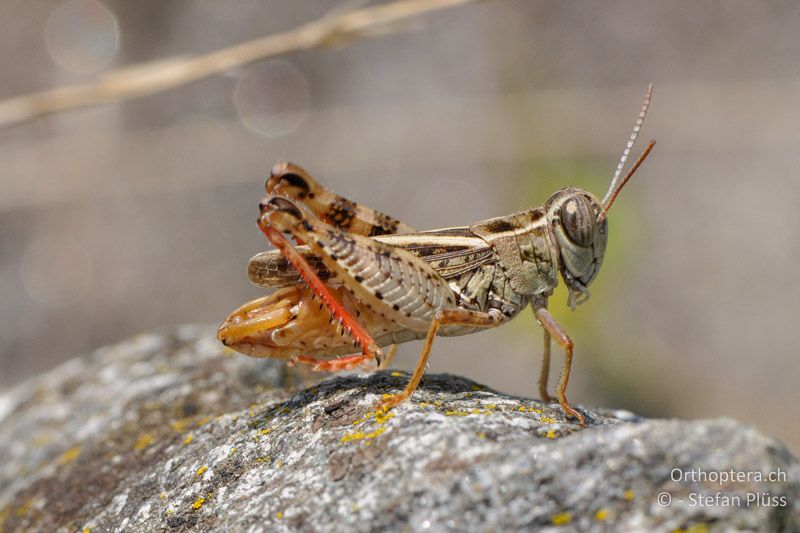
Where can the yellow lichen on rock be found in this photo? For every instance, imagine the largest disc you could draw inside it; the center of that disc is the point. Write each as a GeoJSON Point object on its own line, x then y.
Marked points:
{"type": "Point", "coordinates": [601, 515]}
{"type": "Point", "coordinates": [562, 519]}
{"type": "Point", "coordinates": [143, 441]}
{"type": "Point", "coordinates": [360, 435]}
{"type": "Point", "coordinates": [69, 455]}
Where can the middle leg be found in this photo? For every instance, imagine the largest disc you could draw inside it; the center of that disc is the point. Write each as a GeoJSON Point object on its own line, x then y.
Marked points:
{"type": "Point", "coordinates": [544, 375]}
{"type": "Point", "coordinates": [441, 318]}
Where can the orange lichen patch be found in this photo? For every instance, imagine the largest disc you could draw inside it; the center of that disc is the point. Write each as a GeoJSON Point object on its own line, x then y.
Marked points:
{"type": "Point", "coordinates": [551, 434]}
{"type": "Point", "coordinates": [69, 455]}
{"type": "Point", "coordinates": [601, 515]}
{"type": "Point", "coordinates": [561, 519]}
{"type": "Point", "coordinates": [86, 530]}
{"type": "Point", "coordinates": [188, 439]}
{"type": "Point", "coordinates": [279, 515]}
{"type": "Point", "coordinates": [455, 413]}
{"type": "Point", "coordinates": [628, 495]}
{"type": "Point", "coordinates": [397, 374]}
{"type": "Point", "coordinates": [547, 420]}
{"type": "Point", "coordinates": [143, 441]}
{"type": "Point", "coordinates": [201, 470]}
{"type": "Point", "coordinates": [265, 431]}
{"type": "Point", "coordinates": [198, 503]}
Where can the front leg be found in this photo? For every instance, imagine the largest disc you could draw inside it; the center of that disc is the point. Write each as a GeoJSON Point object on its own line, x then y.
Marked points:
{"type": "Point", "coordinates": [562, 338]}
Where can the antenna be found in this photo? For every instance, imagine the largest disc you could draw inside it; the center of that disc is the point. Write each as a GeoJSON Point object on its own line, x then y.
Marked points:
{"type": "Point", "coordinates": [613, 189]}
{"type": "Point", "coordinates": [630, 173]}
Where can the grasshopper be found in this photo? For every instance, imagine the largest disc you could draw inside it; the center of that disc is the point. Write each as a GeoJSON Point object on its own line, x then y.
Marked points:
{"type": "Point", "coordinates": [358, 280]}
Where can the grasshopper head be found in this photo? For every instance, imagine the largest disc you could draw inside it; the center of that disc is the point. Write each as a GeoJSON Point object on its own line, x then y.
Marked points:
{"type": "Point", "coordinates": [579, 220]}
{"type": "Point", "coordinates": [581, 234]}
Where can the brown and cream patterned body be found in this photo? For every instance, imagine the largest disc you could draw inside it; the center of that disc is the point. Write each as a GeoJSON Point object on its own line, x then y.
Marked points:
{"type": "Point", "coordinates": [359, 280]}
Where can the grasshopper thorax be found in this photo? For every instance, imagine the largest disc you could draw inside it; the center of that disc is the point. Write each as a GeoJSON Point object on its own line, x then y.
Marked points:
{"type": "Point", "coordinates": [581, 235]}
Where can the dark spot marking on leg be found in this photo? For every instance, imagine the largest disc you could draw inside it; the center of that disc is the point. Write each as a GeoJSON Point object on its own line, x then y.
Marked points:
{"type": "Point", "coordinates": [341, 212]}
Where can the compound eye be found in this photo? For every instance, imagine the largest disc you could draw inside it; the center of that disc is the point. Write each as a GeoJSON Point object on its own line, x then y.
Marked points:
{"type": "Point", "coordinates": [577, 220]}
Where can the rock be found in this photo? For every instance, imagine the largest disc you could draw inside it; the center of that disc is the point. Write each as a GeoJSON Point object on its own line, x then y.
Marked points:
{"type": "Point", "coordinates": [169, 431]}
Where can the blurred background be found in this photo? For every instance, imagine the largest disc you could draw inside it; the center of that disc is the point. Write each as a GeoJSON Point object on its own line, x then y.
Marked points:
{"type": "Point", "coordinates": [126, 217]}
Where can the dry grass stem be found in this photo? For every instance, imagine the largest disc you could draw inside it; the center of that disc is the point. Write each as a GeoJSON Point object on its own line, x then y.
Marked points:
{"type": "Point", "coordinates": [152, 77]}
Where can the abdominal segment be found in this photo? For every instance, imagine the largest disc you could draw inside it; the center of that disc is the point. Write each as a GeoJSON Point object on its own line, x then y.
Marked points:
{"type": "Point", "coordinates": [292, 322]}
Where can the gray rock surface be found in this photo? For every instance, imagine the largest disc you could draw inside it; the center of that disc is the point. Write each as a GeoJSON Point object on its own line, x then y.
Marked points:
{"type": "Point", "coordinates": [168, 431]}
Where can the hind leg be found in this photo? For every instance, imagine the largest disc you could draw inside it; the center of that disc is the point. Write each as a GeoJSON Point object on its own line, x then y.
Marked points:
{"type": "Point", "coordinates": [292, 181]}
{"type": "Point", "coordinates": [272, 217]}
{"type": "Point", "coordinates": [442, 318]}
